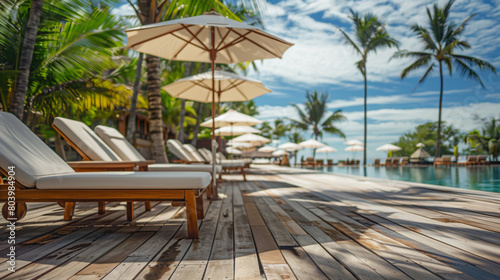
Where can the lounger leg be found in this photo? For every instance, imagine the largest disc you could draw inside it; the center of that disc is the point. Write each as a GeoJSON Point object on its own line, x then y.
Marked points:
{"type": "Point", "coordinates": [147, 205]}
{"type": "Point", "coordinates": [69, 209]}
{"type": "Point", "coordinates": [192, 220]}
{"type": "Point", "coordinates": [202, 203]}
{"type": "Point", "coordinates": [130, 210]}
{"type": "Point", "coordinates": [209, 190]}
{"type": "Point", "coordinates": [243, 173]}
{"type": "Point", "coordinates": [101, 206]}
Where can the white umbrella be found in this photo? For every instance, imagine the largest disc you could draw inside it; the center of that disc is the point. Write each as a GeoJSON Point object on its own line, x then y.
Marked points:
{"type": "Point", "coordinates": [312, 143]}
{"type": "Point", "coordinates": [290, 146]}
{"type": "Point", "coordinates": [326, 149]}
{"type": "Point", "coordinates": [252, 139]}
{"type": "Point", "coordinates": [266, 149]}
{"type": "Point", "coordinates": [353, 142]}
{"type": "Point", "coordinates": [206, 38]}
{"type": "Point", "coordinates": [233, 151]}
{"type": "Point", "coordinates": [389, 147]}
{"type": "Point", "coordinates": [232, 117]}
{"type": "Point", "coordinates": [229, 87]}
{"type": "Point", "coordinates": [420, 145]}
{"type": "Point", "coordinates": [355, 148]}
{"type": "Point", "coordinates": [278, 153]}
{"type": "Point", "coordinates": [235, 130]}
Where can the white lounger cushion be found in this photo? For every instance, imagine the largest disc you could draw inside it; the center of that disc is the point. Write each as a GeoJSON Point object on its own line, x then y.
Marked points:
{"type": "Point", "coordinates": [21, 148]}
{"type": "Point", "coordinates": [194, 153]}
{"type": "Point", "coordinates": [183, 167]}
{"type": "Point", "coordinates": [86, 140]}
{"type": "Point", "coordinates": [175, 146]}
{"type": "Point", "coordinates": [118, 143]}
{"type": "Point", "coordinates": [125, 180]}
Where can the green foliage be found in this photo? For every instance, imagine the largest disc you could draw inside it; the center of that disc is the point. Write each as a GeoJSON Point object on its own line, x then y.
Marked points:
{"type": "Point", "coordinates": [427, 134]}
{"type": "Point", "coordinates": [486, 142]}
{"type": "Point", "coordinates": [315, 116]}
{"type": "Point", "coordinates": [275, 131]}
{"type": "Point", "coordinates": [247, 107]}
{"type": "Point", "coordinates": [75, 45]}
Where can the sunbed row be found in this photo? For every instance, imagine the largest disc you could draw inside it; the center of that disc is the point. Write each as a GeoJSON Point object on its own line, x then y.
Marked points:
{"type": "Point", "coordinates": [37, 174]}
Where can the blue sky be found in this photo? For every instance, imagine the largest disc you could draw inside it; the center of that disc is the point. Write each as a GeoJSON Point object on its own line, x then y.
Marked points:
{"type": "Point", "coordinates": [320, 61]}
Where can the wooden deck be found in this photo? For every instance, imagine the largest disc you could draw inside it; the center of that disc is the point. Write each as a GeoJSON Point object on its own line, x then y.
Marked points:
{"type": "Point", "coordinates": [281, 224]}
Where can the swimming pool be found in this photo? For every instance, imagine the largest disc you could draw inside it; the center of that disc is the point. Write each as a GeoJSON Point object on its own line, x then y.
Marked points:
{"type": "Point", "coordinates": [485, 178]}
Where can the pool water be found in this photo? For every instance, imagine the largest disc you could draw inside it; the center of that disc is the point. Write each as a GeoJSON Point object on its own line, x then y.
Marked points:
{"type": "Point", "coordinates": [485, 178]}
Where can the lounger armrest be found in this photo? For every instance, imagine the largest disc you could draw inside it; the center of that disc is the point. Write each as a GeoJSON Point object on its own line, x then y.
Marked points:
{"type": "Point", "coordinates": [82, 166]}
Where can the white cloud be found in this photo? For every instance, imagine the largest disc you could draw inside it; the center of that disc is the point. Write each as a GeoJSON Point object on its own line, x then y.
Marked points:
{"type": "Point", "coordinates": [388, 100]}
{"type": "Point", "coordinates": [320, 55]}
{"type": "Point", "coordinates": [124, 10]}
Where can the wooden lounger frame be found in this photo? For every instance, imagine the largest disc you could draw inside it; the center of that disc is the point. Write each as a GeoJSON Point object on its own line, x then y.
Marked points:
{"type": "Point", "coordinates": [71, 196]}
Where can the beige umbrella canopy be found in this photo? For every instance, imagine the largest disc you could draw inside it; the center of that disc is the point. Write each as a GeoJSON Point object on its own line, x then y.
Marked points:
{"type": "Point", "coordinates": [252, 139]}
{"type": "Point", "coordinates": [232, 117]}
{"type": "Point", "coordinates": [235, 130]}
{"type": "Point", "coordinates": [229, 87]}
{"type": "Point", "coordinates": [196, 38]}
{"type": "Point", "coordinates": [289, 146]}
{"type": "Point", "coordinates": [233, 151]}
{"type": "Point", "coordinates": [312, 143]}
{"type": "Point", "coordinates": [239, 145]}
{"type": "Point", "coordinates": [355, 148]}
{"type": "Point", "coordinates": [206, 38]}
{"type": "Point", "coordinates": [267, 149]}
{"type": "Point", "coordinates": [353, 142]}
{"type": "Point", "coordinates": [389, 147]}
{"type": "Point", "coordinates": [326, 149]}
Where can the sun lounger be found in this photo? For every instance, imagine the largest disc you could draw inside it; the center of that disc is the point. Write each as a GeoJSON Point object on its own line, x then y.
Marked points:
{"type": "Point", "coordinates": [320, 163]}
{"type": "Point", "coordinates": [227, 164]}
{"type": "Point", "coordinates": [388, 162]}
{"type": "Point", "coordinates": [404, 161]}
{"type": "Point", "coordinates": [42, 176]}
{"type": "Point", "coordinates": [376, 162]}
{"type": "Point", "coordinates": [471, 160]}
{"type": "Point", "coordinates": [395, 161]}
{"type": "Point", "coordinates": [95, 148]}
{"type": "Point", "coordinates": [481, 159]}
{"type": "Point", "coordinates": [329, 162]}
{"type": "Point", "coordinates": [438, 161]}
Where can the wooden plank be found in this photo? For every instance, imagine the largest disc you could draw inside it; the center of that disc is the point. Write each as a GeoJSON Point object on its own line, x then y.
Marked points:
{"type": "Point", "coordinates": [138, 260]}
{"type": "Point", "coordinates": [458, 259]}
{"type": "Point", "coordinates": [194, 255]}
{"type": "Point", "coordinates": [221, 263]}
{"type": "Point", "coordinates": [246, 264]}
{"type": "Point", "coordinates": [273, 262]}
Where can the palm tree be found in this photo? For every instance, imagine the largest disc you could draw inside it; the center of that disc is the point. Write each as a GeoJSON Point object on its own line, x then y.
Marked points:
{"type": "Point", "coordinates": [487, 141]}
{"type": "Point", "coordinates": [296, 137]}
{"type": "Point", "coordinates": [17, 99]}
{"type": "Point", "coordinates": [153, 11]}
{"type": "Point", "coordinates": [370, 36]}
{"type": "Point", "coordinates": [440, 43]}
{"type": "Point", "coordinates": [76, 47]}
{"type": "Point", "coordinates": [315, 116]}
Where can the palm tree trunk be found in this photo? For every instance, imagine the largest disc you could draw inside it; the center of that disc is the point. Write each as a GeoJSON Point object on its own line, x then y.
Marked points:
{"type": "Point", "coordinates": [438, 142]}
{"type": "Point", "coordinates": [196, 129]}
{"type": "Point", "coordinates": [133, 102]}
{"type": "Point", "coordinates": [18, 97]}
{"type": "Point", "coordinates": [181, 136]}
{"type": "Point", "coordinates": [154, 109]}
{"type": "Point", "coordinates": [366, 118]}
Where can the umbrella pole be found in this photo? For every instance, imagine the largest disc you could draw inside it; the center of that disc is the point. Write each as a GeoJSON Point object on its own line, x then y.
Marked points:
{"type": "Point", "coordinates": [214, 142]}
